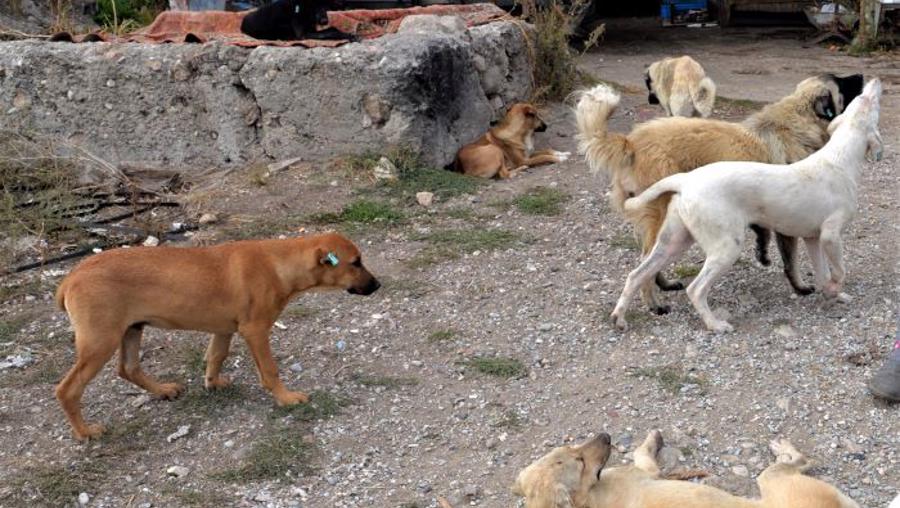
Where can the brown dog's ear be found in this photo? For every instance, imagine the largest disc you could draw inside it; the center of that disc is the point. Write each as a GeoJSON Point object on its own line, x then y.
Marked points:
{"type": "Point", "coordinates": [824, 107]}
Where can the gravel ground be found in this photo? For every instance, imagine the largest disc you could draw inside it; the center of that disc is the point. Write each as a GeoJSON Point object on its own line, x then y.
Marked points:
{"type": "Point", "coordinates": [416, 422]}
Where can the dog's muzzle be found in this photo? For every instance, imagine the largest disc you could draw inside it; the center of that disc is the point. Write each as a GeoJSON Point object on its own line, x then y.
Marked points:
{"type": "Point", "coordinates": [541, 128]}
{"type": "Point", "coordinates": [367, 290]}
{"type": "Point", "coordinates": [653, 99]}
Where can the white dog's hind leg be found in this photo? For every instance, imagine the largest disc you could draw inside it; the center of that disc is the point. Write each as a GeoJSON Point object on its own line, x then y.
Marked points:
{"type": "Point", "coordinates": [718, 261]}
{"type": "Point", "coordinates": [673, 240]}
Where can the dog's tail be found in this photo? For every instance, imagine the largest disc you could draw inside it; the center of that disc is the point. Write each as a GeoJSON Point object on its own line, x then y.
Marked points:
{"type": "Point", "coordinates": [703, 94]}
{"type": "Point", "coordinates": [602, 149]}
{"type": "Point", "coordinates": [668, 184]}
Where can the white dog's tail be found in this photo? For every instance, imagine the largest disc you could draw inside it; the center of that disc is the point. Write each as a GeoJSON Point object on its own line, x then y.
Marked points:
{"type": "Point", "coordinates": [668, 184]}
{"type": "Point", "coordinates": [703, 94]}
{"type": "Point", "coordinates": [602, 149]}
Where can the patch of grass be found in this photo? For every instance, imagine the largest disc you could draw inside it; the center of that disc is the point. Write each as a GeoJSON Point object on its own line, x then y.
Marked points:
{"type": "Point", "coordinates": [453, 243]}
{"type": "Point", "coordinates": [671, 377]}
{"type": "Point", "coordinates": [507, 368]}
{"type": "Point", "coordinates": [191, 497]}
{"type": "Point", "coordinates": [442, 335]}
{"type": "Point", "coordinates": [541, 201]}
{"type": "Point", "coordinates": [414, 175]}
{"type": "Point", "coordinates": [411, 288]}
{"type": "Point", "coordinates": [262, 226]}
{"type": "Point", "coordinates": [59, 485]}
{"type": "Point", "coordinates": [509, 419]}
{"type": "Point", "coordinates": [121, 16]}
{"type": "Point", "coordinates": [192, 357]}
{"type": "Point", "coordinates": [321, 405]}
{"type": "Point", "coordinates": [687, 451]}
{"type": "Point", "coordinates": [354, 164]}
{"type": "Point", "coordinates": [48, 371]}
{"type": "Point", "coordinates": [460, 213]}
{"type": "Point", "coordinates": [385, 381]}
{"type": "Point", "coordinates": [259, 175]}
{"type": "Point", "coordinates": [740, 104]}
{"type": "Point", "coordinates": [362, 211]}
{"type": "Point", "coordinates": [279, 455]}
{"type": "Point", "coordinates": [624, 241]}
{"type": "Point", "coordinates": [298, 311]}
{"type": "Point", "coordinates": [201, 401]}
{"type": "Point", "coordinates": [685, 271]}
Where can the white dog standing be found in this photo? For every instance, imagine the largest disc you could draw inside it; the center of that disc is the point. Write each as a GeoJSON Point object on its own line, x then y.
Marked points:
{"type": "Point", "coordinates": [681, 86]}
{"type": "Point", "coordinates": [713, 205]}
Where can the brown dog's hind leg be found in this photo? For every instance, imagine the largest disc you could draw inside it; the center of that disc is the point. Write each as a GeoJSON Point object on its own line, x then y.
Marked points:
{"type": "Point", "coordinates": [645, 455]}
{"type": "Point", "coordinates": [216, 353]}
{"type": "Point", "coordinates": [257, 338]}
{"type": "Point", "coordinates": [787, 247]}
{"type": "Point", "coordinates": [130, 367]}
{"type": "Point", "coordinates": [91, 355]}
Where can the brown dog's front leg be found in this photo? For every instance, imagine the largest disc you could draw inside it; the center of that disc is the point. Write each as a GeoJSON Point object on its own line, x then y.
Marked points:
{"type": "Point", "coordinates": [216, 353]}
{"type": "Point", "coordinates": [257, 338]}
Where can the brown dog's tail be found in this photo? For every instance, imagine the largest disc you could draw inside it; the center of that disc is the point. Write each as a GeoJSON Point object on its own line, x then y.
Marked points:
{"type": "Point", "coordinates": [602, 149]}
{"type": "Point", "coordinates": [703, 95]}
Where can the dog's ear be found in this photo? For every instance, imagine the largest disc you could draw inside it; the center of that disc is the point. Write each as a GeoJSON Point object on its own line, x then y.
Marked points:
{"type": "Point", "coordinates": [327, 258]}
{"type": "Point", "coordinates": [824, 106]}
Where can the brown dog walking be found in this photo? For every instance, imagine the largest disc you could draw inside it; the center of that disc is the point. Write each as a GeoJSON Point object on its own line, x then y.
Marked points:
{"type": "Point", "coordinates": [235, 287]}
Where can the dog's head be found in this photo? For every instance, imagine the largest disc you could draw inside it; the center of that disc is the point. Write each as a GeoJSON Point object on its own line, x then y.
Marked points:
{"type": "Point", "coordinates": [830, 94]}
{"type": "Point", "coordinates": [563, 477]}
{"type": "Point", "coordinates": [648, 80]}
{"type": "Point", "coordinates": [863, 114]}
{"type": "Point", "coordinates": [339, 265]}
{"type": "Point", "coordinates": [524, 118]}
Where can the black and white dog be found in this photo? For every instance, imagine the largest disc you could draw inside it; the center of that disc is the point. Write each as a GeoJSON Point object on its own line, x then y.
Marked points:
{"type": "Point", "coordinates": [291, 20]}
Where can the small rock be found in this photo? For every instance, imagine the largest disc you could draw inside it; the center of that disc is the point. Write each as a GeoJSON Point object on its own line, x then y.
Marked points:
{"type": "Point", "coordinates": [425, 198]}
{"type": "Point", "coordinates": [741, 471]}
{"type": "Point", "coordinates": [180, 433]}
{"type": "Point", "coordinates": [16, 361]}
{"type": "Point", "coordinates": [177, 471]}
{"type": "Point", "coordinates": [471, 491]}
{"type": "Point", "coordinates": [83, 499]}
{"type": "Point", "coordinates": [545, 327]}
{"type": "Point", "coordinates": [208, 218]}
{"type": "Point", "coordinates": [786, 331]}
{"type": "Point", "coordinates": [140, 401]}
{"type": "Point", "coordinates": [151, 241]}
{"type": "Point", "coordinates": [385, 170]}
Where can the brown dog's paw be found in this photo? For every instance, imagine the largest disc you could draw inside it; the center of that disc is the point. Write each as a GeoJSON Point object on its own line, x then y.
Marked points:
{"type": "Point", "coordinates": [619, 320]}
{"type": "Point", "coordinates": [169, 391]}
{"type": "Point", "coordinates": [217, 383]}
{"type": "Point", "coordinates": [90, 431]}
{"type": "Point", "coordinates": [291, 398]}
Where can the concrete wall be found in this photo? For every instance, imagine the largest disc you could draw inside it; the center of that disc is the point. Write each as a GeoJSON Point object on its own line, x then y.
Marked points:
{"type": "Point", "coordinates": [180, 106]}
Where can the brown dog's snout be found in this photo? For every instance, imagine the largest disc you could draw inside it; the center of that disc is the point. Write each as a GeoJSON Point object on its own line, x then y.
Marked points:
{"type": "Point", "coordinates": [604, 438]}
{"type": "Point", "coordinates": [370, 287]}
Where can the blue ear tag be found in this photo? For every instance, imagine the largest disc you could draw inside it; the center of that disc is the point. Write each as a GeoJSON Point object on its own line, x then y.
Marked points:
{"type": "Point", "coordinates": [296, 9]}
{"type": "Point", "coordinates": [331, 259]}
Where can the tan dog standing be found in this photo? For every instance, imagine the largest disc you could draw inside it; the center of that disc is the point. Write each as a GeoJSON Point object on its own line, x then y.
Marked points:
{"type": "Point", "coordinates": [507, 148]}
{"type": "Point", "coordinates": [234, 287]}
{"type": "Point", "coordinates": [573, 477]}
{"type": "Point", "coordinates": [680, 85]}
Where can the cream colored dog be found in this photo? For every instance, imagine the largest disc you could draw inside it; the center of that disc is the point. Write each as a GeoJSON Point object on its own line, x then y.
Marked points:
{"type": "Point", "coordinates": [813, 199]}
{"type": "Point", "coordinates": [573, 477]}
{"type": "Point", "coordinates": [680, 85]}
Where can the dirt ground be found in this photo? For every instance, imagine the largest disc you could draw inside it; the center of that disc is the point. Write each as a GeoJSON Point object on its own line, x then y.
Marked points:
{"type": "Point", "coordinates": [402, 413]}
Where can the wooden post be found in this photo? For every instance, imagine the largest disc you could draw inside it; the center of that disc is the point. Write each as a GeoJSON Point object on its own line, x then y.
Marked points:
{"type": "Point", "coordinates": [868, 26]}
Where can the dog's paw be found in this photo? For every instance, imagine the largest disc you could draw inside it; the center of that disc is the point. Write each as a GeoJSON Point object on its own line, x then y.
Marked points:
{"type": "Point", "coordinates": [169, 391]}
{"type": "Point", "coordinates": [661, 310]}
{"type": "Point", "coordinates": [804, 290]}
{"type": "Point", "coordinates": [217, 383]}
{"type": "Point", "coordinates": [291, 398]}
{"type": "Point", "coordinates": [562, 156]}
{"type": "Point", "coordinates": [90, 431]}
{"type": "Point", "coordinates": [720, 327]}
{"type": "Point", "coordinates": [843, 298]}
{"type": "Point", "coordinates": [619, 320]}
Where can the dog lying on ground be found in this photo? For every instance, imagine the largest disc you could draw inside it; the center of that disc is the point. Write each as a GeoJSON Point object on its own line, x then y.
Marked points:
{"type": "Point", "coordinates": [680, 85]}
{"type": "Point", "coordinates": [234, 287]}
{"type": "Point", "coordinates": [573, 477]}
{"type": "Point", "coordinates": [507, 148]}
{"type": "Point", "coordinates": [813, 199]}
{"type": "Point", "coordinates": [292, 20]}
{"type": "Point", "coordinates": [784, 132]}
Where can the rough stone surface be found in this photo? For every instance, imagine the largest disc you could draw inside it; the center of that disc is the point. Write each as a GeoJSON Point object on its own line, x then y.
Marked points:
{"type": "Point", "coordinates": [195, 106]}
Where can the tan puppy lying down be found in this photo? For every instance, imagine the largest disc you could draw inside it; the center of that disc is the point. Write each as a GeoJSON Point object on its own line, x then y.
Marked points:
{"type": "Point", "coordinates": [235, 287]}
{"type": "Point", "coordinates": [507, 148]}
{"type": "Point", "coordinates": [573, 477]}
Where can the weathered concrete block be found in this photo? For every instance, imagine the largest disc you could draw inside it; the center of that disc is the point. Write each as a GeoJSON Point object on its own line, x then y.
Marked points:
{"type": "Point", "coordinates": [183, 106]}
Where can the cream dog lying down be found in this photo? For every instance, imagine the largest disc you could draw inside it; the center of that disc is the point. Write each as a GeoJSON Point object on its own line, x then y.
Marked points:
{"type": "Point", "coordinates": [574, 477]}
{"type": "Point", "coordinates": [713, 205]}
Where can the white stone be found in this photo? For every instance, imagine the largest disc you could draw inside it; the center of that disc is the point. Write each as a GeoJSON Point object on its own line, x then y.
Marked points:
{"type": "Point", "coordinates": [425, 198]}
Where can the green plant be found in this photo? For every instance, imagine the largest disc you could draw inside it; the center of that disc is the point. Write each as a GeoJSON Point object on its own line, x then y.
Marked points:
{"type": "Point", "coordinates": [508, 368]}
{"type": "Point", "coordinates": [541, 201]}
{"type": "Point", "coordinates": [442, 335]}
{"type": "Point", "coordinates": [278, 455]}
{"type": "Point", "coordinates": [321, 405]}
{"type": "Point", "coordinates": [362, 211]}
{"type": "Point", "coordinates": [554, 67]}
{"type": "Point", "coordinates": [385, 381]}
{"type": "Point", "coordinates": [452, 243]}
{"type": "Point", "coordinates": [671, 377]}
{"type": "Point", "coordinates": [685, 271]}
{"type": "Point", "coordinates": [120, 16]}
{"type": "Point", "coordinates": [59, 485]}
